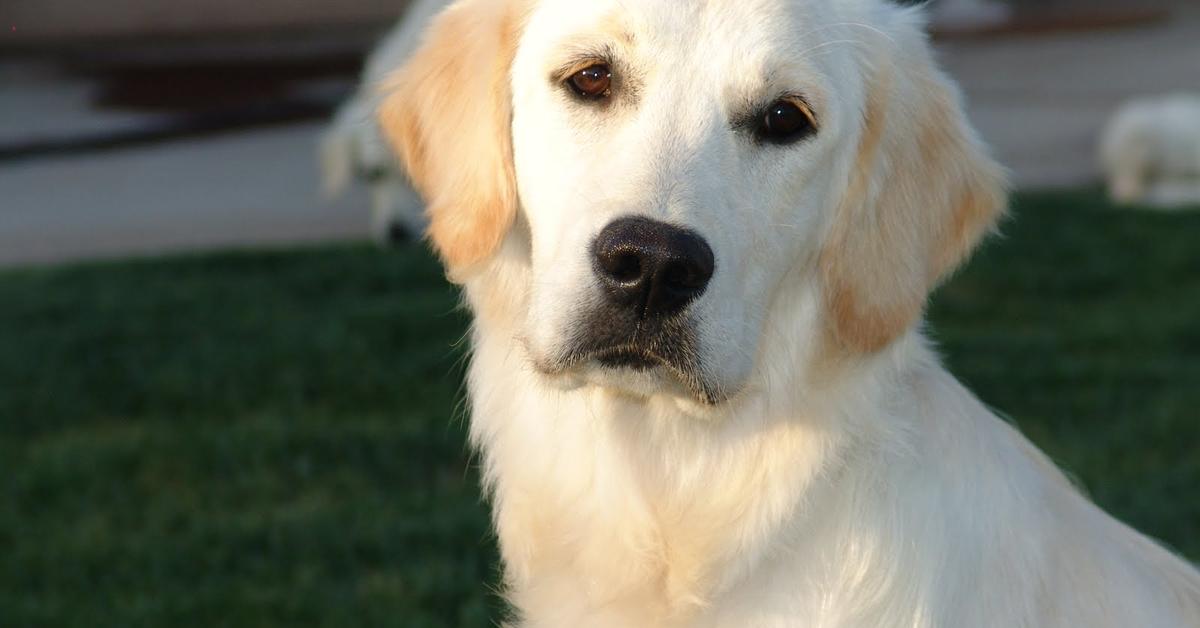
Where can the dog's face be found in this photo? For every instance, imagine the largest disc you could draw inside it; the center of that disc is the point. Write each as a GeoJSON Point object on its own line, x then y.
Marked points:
{"type": "Point", "coordinates": [690, 147]}
{"type": "Point", "coordinates": [673, 166]}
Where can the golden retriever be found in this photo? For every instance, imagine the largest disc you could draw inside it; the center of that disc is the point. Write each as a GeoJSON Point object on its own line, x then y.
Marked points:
{"type": "Point", "coordinates": [697, 237]}
{"type": "Point", "coordinates": [1150, 152]}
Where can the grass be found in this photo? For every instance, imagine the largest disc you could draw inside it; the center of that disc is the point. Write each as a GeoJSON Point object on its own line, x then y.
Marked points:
{"type": "Point", "coordinates": [266, 439]}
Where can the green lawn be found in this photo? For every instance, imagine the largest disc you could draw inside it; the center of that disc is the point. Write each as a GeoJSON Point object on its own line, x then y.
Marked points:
{"type": "Point", "coordinates": [274, 439]}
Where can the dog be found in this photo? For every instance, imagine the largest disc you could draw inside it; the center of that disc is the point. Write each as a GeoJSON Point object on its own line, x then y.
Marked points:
{"type": "Point", "coordinates": [353, 147]}
{"type": "Point", "coordinates": [1150, 152]}
{"type": "Point", "coordinates": [697, 237]}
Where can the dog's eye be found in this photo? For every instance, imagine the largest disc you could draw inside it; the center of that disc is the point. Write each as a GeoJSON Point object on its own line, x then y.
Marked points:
{"type": "Point", "coordinates": [786, 121]}
{"type": "Point", "coordinates": [592, 83]}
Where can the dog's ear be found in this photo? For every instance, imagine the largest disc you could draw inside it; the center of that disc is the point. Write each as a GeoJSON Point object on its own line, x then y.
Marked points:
{"type": "Point", "coordinates": [921, 195]}
{"type": "Point", "coordinates": [448, 113]}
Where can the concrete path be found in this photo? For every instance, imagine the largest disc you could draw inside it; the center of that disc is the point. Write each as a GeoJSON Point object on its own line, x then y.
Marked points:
{"type": "Point", "coordinates": [1040, 101]}
{"type": "Point", "coordinates": [249, 189]}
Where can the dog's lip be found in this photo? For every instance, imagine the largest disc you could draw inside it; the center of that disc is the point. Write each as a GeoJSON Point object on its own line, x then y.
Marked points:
{"type": "Point", "coordinates": [614, 357]}
{"type": "Point", "coordinates": [640, 359]}
{"type": "Point", "coordinates": [705, 395]}
{"type": "Point", "coordinates": [627, 357]}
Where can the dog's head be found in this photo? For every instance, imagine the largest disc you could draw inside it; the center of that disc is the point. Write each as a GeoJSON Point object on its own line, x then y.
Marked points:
{"type": "Point", "coordinates": [667, 169]}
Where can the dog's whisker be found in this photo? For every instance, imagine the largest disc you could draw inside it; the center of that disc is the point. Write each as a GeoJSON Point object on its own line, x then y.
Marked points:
{"type": "Point", "coordinates": [835, 25]}
{"type": "Point", "coordinates": [807, 53]}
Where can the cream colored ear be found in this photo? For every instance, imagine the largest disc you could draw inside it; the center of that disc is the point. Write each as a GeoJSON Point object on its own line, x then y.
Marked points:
{"type": "Point", "coordinates": [448, 113]}
{"type": "Point", "coordinates": [921, 196]}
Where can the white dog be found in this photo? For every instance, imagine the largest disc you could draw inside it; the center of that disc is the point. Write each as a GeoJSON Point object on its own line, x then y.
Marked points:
{"type": "Point", "coordinates": [697, 237]}
{"type": "Point", "coordinates": [354, 146]}
{"type": "Point", "coordinates": [1150, 152]}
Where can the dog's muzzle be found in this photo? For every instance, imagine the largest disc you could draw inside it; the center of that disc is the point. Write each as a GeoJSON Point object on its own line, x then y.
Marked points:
{"type": "Point", "coordinates": [649, 272]}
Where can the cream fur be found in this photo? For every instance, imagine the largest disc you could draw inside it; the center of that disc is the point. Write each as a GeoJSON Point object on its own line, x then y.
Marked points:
{"type": "Point", "coordinates": [844, 479]}
{"type": "Point", "coordinates": [1150, 152]}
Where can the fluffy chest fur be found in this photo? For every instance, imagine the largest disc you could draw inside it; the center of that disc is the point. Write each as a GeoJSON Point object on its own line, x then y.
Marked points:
{"type": "Point", "coordinates": [612, 512]}
{"type": "Point", "coordinates": [607, 510]}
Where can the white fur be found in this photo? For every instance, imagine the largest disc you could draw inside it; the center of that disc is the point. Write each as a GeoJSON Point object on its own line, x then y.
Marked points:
{"type": "Point", "coordinates": [353, 146]}
{"type": "Point", "coordinates": [868, 490]}
{"type": "Point", "coordinates": [1150, 152]}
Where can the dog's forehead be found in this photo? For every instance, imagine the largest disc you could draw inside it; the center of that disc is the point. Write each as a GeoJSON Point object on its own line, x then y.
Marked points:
{"type": "Point", "coordinates": [723, 30]}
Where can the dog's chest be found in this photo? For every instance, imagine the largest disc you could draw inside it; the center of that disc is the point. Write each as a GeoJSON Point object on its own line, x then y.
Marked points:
{"type": "Point", "coordinates": [597, 525]}
{"type": "Point", "coordinates": [579, 530]}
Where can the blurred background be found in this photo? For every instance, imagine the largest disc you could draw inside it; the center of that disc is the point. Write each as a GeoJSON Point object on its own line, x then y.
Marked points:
{"type": "Point", "coordinates": [220, 405]}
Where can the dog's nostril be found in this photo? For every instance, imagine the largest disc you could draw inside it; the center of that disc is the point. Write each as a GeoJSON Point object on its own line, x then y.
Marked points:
{"type": "Point", "coordinates": [624, 267]}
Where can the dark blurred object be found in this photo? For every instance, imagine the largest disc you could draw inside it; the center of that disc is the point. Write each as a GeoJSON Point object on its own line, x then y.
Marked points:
{"type": "Point", "coordinates": [41, 23]}
{"type": "Point", "coordinates": [188, 68]}
{"type": "Point", "coordinates": [194, 95]}
{"type": "Point", "coordinates": [207, 86]}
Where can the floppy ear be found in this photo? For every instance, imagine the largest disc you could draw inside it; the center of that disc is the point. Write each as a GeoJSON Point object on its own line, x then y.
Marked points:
{"type": "Point", "coordinates": [922, 194]}
{"type": "Point", "coordinates": [448, 113]}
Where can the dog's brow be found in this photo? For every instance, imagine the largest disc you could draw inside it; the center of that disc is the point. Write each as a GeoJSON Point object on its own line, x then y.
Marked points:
{"type": "Point", "coordinates": [598, 43]}
{"type": "Point", "coordinates": [577, 56]}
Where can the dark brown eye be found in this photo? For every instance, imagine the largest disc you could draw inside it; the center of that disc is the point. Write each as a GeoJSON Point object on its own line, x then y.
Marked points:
{"type": "Point", "coordinates": [592, 83]}
{"type": "Point", "coordinates": [786, 121]}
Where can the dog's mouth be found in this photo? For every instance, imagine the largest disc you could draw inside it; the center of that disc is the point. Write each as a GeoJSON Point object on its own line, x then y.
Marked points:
{"type": "Point", "coordinates": [628, 357]}
{"type": "Point", "coordinates": [645, 357]}
{"type": "Point", "coordinates": [659, 363]}
{"type": "Point", "coordinates": [618, 341]}
{"type": "Point", "coordinates": [631, 356]}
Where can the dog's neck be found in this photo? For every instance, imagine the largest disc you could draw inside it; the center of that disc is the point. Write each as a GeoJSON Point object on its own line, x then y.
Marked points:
{"type": "Point", "coordinates": [644, 503]}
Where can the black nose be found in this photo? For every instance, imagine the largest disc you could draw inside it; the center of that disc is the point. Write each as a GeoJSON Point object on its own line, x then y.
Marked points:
{"type": "Point", "coordinates": [652, 266]}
